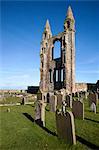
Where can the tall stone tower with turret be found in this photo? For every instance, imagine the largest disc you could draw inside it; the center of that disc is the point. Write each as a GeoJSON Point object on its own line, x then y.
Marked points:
{"type": "Point", "coordinates": [58, 73]}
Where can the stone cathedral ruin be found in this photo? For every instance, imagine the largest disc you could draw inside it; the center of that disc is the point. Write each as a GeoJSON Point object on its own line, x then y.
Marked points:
{"type": "Point", "coordinates": [58, 73]}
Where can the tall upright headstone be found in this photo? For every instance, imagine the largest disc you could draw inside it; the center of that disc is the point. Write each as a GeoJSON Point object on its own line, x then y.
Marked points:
{"type": "Point", "coordinates": [43, 105]}
{"type": "Point", "coordinates": [59, 99]}
{"type": "Point", "coordinates": [92, 98]}
{"type": "Point", "coordinates": [53, 103]}
{"type": "Point", "coordinates": [78, 109]}
{"type": "Point", "coordinates": [65, 127]}
{"type": "Point", "coordinates": [39, 95]}
{"type": "Point", "coordinates": [69, 100]}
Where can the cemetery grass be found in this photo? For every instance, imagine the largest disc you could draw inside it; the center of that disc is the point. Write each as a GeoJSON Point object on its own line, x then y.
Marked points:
{"type": "Point", "coordinates": [19, 132]}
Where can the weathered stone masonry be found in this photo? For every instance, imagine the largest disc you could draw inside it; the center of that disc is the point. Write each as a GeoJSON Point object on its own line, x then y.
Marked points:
{"type": "Point", "coordinates": [58, 73]}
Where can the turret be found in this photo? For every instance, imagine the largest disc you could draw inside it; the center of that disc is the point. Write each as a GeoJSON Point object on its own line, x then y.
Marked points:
{"type": "Point", "coordinates": [69, 21]}
{"type": "Point", "coordinates": [47, 31]}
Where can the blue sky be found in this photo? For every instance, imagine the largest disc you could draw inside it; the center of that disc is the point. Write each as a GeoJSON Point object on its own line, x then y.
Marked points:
{"type": "Point", "coordinates": [22, 25]}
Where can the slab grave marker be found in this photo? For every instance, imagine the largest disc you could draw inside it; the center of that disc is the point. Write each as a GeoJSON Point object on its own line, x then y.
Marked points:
{"type": "Point", "coordinates": [53, 102]}
{"type": "Point", "coordinates": [65, 127]}
{"type": "Point", "coordinates": [78, 109]}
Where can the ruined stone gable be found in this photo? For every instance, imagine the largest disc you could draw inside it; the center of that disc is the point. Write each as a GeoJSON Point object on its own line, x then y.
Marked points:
{"type": "Point", "coordinates": [58, 73]}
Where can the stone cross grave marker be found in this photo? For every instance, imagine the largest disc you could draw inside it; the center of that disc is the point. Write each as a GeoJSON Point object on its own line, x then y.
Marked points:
{"type": "Point", "coordinates": [64, 104]}
{"type": "Point", "coordinates": [65, 127]}
{"type": "Point", "coordinates": [78, 109]}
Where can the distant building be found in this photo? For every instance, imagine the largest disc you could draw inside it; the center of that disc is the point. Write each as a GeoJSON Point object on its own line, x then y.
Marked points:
{"type": "Point", "coordinates": [32, 89]}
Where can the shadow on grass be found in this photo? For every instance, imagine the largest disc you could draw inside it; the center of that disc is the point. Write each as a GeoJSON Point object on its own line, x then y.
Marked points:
{"type": "Point", "coordinates": [91, 120]}
{"type": "Point", "coordinates": [90, 145]}
{"type": "Point", "coordinates": [28, 116]}
{"type": "Point", "coordinates": [39, 123]}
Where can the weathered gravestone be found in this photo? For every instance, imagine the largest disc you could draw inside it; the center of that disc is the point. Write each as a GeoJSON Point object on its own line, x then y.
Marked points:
{"type": "Point", "coordinates": [40, 113]}
{"type": "Point", "coordinates": [23, 101]}
{"type": "Point", "coordinates": [43, 105]}
{"type": "Point", "coordinates": [59, 99]}
{"type": "Point", "coordinates": [8, 109]}
{"type": "Point", "coordinates": [69, 100]}
{"type": "Point", "coordinates": [78, 109]}
{"type": "Point", "coordinates": [65, 127]}
{"type": "Point", "coordinates": [93, 107]}
{"type": "Point", "coordinates": [39, 95]}
{"type": "Point", "coordinates": [86, 95]}
{"type": "Point", "coordinates": [92, 98]}
{"type": "Point", "coordinates": [53, 102]}
{"type": "Point", "coordinates": [73, 94]}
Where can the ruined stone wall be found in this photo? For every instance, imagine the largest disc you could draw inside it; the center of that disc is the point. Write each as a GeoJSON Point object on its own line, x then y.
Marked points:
{"type": "Point", "coordinates": [80, 87]}
{"type": "Point", "coordinates": [63, 67]}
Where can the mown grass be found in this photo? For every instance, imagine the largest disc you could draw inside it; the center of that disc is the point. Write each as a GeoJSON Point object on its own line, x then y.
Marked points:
{"type": "Point", "coordinates": [10, 100]}
{"type": "Point", "coordinates": [19, 132]}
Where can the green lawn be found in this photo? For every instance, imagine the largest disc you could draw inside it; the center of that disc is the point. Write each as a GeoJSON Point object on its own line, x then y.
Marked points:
{"type": "Point", "coordinates": [19, 132]}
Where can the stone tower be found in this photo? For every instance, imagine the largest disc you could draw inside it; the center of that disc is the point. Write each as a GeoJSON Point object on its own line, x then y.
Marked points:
{"type": "Point", "coordinates": [58, 73]}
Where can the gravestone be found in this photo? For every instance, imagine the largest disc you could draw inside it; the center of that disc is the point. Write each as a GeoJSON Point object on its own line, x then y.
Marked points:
{"type": "Point", "coordinates": [39, 95]}
{"type": "Point", "coordinates": [8, 109]}
{"type": "Point", "coordinates": [40, 113]}
{"type": "Point", "coordinates": [69, 100]}
{"type": "Point", "coordinates": [73, 94]}
{"type": "Point", "coordinates": [23, 101]}
{"type": "Point", "coordinates": [59, 99]}
{"type": "Point", "coordinates": [86, 95]}
{"type": "Point", "coordinates": [93, 107]}
{"type": "Point", "coordinates": [43, 105]}
{"type": "Point", "coordinates": [53, 102]}
{"type": "Point", "coordinates": [78, 109]}
{"type": "Point", "coordinates": [65, 127]}
{"type": "Point", "coordinates": [92, 98]}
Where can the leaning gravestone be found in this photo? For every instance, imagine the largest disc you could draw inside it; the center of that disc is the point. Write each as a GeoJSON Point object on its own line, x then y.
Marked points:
{"type": "Point", "coordinates": [65, 127]}
{"type": "Point", "coordinates": [93, 107]}
{"type": "Point", "coordinates": [78, 109]}
{"type": "Point", "coordinates": [53, 102]}
{"type": "Point", "coordinates": [59, 99]}
{"type": "Point", "coordinates": [69, 100]}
